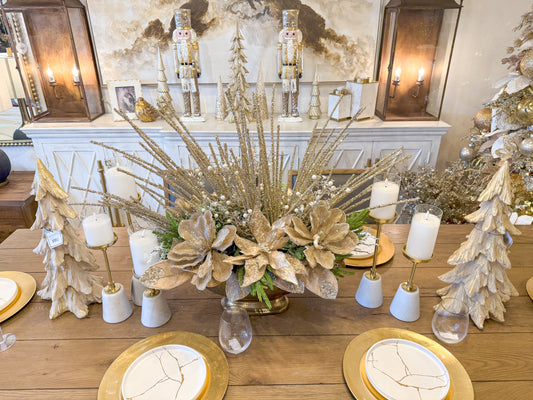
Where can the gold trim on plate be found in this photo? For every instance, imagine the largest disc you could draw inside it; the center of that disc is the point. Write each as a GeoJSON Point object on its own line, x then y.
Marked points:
{"type": "Point", "coordinates": [529, 287]}
{"type": "Point", "coordinates": [110, 385]}
{"type": "Point", "coordinates": [356, 350]}
{"type": "Point", "coordinates": [26, 285]}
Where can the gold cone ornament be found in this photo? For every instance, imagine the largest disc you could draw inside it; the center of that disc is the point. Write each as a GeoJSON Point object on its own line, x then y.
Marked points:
{"type": "Point", "coordinates": [145, 111]}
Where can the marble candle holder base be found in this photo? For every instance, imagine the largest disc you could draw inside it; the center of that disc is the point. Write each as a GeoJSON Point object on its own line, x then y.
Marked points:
{"type": "Point", "coordinates": [115, 306]}
{"type": "Point", "coordinates": [137, 290]}
{"type": "Point", "coordinates": [155, 310]}
{"type": "Point", "coordinates": [370, 292]}
{"type": "Point", "coordinates": [405, 305]}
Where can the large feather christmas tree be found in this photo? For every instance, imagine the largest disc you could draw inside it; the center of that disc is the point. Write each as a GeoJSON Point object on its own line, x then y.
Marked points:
{"type": "Point", "coordinates": [479, 278]}
{"type": "Point", "coordinates": [67, 260]}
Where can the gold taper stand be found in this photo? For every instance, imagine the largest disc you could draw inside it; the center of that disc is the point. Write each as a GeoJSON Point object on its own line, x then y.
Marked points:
{"type": "Point", "coordinates": [409, 285]}
{"type": "Point", "coordinates": [372, 274]}
{"type": "Point", "coordinates": [111, 286]}
{"type": "Point", "coordinates": [370, 292]}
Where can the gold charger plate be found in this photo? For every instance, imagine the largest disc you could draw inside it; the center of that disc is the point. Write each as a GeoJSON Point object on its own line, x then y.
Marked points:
{"type": "Point", "coordinates": [26, 285]}
{"type": "Point", "coordinates": [460, 383]}
{"type": "Point", "coordinates": [529, 287]}
{"type": "Point", "coordinates": [110, 385]}
{"type": "Point", "coordinates": [385, 253]}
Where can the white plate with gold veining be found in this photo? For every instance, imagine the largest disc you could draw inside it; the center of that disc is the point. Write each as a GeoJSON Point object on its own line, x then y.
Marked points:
{"type": "Point", "coordinates": [166, 372]}
{"type": "Point", "coordinates": [403, 370]}
{"type": "Point", "coordinates": [8, 292]}
{"type": "Point", "coordinates": [365, 246]}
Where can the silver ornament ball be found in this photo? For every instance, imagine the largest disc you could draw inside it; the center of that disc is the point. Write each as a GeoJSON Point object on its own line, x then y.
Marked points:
{"type": "Point", "coordinates": [526, 147]}
{"type": "Point", "coordinates": [467, 154]}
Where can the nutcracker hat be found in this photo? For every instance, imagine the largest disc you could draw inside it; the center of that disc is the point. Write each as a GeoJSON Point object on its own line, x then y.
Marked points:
{"type": "Point", "coordinates": [290, 19]}
{"type": "Point", "coordinates": [183, 18]}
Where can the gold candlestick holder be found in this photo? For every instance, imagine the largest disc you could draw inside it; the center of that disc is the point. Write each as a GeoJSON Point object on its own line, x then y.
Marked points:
{"type": "Point", "coordinates": [111, 286]}
{"type": "Point", "coordinates": [409, 285]}
{"type": "Point", "coordinates": [372, 274]}
{"type": "Point", "coordinates": [370, 293]}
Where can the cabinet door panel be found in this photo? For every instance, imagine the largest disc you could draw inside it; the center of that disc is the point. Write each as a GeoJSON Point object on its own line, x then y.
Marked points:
{"type": "Point", "coordinates": [420, 152]}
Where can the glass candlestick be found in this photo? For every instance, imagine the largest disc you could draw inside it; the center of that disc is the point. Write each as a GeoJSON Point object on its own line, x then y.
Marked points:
{"type": "Point", "coordinates": [235, 331]}
{"type": "Point", "coordinates": [6, 340]}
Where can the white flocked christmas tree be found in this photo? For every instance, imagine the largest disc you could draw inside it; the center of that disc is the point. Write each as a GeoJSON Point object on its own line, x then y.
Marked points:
{"type": "Point", "coordinates": [68, 261]}
{"type": "Point", "coordinates": [479, 278]}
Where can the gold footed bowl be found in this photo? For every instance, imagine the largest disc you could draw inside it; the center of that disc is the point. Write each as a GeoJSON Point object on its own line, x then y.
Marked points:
{"type": "Point", "coordinates": [278, 300]}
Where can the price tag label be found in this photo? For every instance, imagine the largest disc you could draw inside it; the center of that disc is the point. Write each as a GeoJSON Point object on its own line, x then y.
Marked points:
{"type": "Point", "coordinates": [54, 238]}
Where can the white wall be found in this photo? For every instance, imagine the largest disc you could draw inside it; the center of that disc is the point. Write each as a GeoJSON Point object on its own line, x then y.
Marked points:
{"type": "Point", "coordinates": [485, 31]}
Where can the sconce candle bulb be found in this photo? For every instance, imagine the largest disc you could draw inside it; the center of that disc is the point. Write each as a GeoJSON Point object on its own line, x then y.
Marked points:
{"type": "Point", "coordinates": [420, 74]}
{"type": "Point", "coordinates": [75, 74]}
{"type": "Point", "coordinates": [397, 74]}
{"type": "Point", "coordinates": [50, 74]}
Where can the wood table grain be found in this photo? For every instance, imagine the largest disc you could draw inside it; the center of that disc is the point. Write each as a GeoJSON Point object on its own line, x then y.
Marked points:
{"type": "Point", "coordinates": [294, 355]}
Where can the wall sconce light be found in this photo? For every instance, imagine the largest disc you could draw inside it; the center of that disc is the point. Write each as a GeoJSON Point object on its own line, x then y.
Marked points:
{"type": "Point", "coordinates": [416, 46]}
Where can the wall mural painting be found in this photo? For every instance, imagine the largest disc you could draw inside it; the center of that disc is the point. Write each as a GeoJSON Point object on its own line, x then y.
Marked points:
{"type": "Point", "coordinates": [340, 36]}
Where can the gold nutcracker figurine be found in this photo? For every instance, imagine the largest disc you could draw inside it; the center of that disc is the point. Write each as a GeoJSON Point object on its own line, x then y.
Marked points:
{"type": "Point", "coordinates": [187, 59]}
{"type": "Point", "coordinates": [290, 61]}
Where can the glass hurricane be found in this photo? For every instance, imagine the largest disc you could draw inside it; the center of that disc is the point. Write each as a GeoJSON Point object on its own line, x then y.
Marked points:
{"type": "Point", "coordinates": [235, 331]}
{"type": "Point", "coordinates": [450, 321]}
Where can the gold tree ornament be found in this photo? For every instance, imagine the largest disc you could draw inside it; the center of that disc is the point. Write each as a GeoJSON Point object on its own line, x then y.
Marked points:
{"type": "Point", "coordinates": [68, 263]}
{"type": "Point", "coordinates": [483, 119]}
{"type": "Point", "coordinates": [479, 278]}
{"type": "Point", "coordinates": [526, 64]}
{"type": "Point", "coordinates": [164, 101]}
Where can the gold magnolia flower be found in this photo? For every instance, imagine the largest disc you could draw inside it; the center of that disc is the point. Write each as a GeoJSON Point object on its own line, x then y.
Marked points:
{"type": "Point", "coordinates": [265, 251]}
{"type": "Point", "coordinates": [198, 258]}
{"type": "Point", "coordinates": [329, 235]}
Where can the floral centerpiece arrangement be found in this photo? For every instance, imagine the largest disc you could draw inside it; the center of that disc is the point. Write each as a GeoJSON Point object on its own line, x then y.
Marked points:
{"type": "Point", "coordinates": [234, 220]}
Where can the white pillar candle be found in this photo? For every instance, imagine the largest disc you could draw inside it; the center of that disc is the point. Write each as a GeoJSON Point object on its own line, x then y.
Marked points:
{"type": "Point", "coordinates": [121, 184]}
{"type": "Point", "coordinates": [422, 235]}
{"type": "Point", "coordinates": [384, 192]}
{"type": "Point", "coordinates": [98, 230]}
{"type": "Point", "coordinates": [144, 250]}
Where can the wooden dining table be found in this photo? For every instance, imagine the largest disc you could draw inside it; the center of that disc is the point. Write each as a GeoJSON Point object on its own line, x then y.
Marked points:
{"type": "Point", "coordinates": [294, 355]}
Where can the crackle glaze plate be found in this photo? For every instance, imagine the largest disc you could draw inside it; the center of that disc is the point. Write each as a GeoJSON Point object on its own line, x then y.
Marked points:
{"type": "Point", "coordinates": [170, 372]}
{"type": "Point", "coordinates": [216, 365]}
{"type": "Point", "coordinates": [354, 360]}
{"type": "Point", "coordinates": [403, 370]}
{"type": "Point", "coordinates": [9, 291]}
{"type": "Point", "coordinates": [385, 252]}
